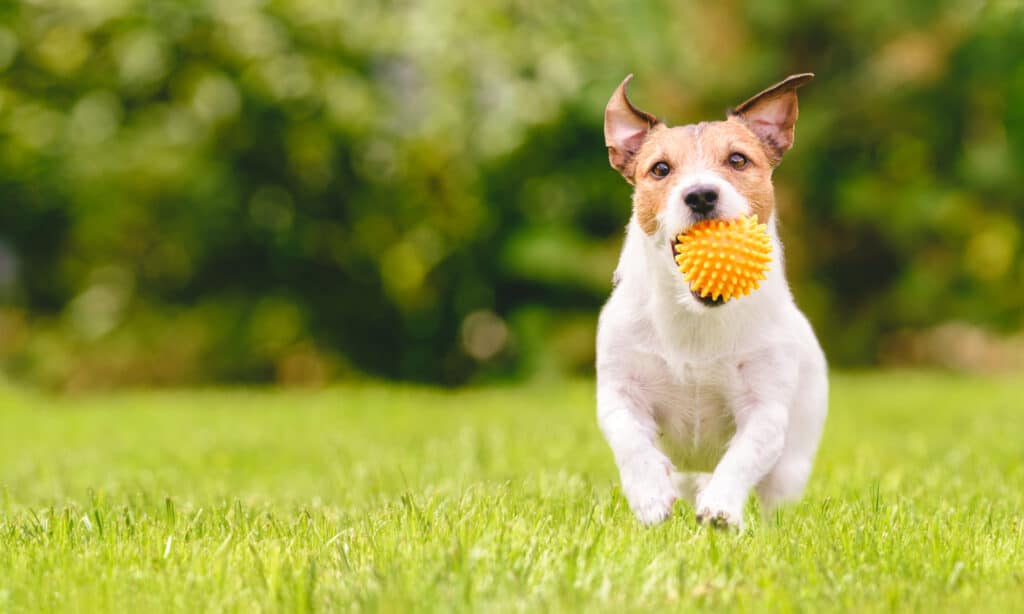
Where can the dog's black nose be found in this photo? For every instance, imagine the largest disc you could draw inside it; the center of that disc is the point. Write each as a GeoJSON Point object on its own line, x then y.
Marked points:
{"type": "Point", "coordinates": [701, 198]}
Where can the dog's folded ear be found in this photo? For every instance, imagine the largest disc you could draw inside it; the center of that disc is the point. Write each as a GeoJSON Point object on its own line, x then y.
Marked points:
{"type": "Point", "coordinates": [772, 114]}
{"type": "Point", "coordinates": [625, 128]}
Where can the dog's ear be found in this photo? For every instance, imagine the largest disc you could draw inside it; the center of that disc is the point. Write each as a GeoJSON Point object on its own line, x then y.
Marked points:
{"type": "Point", "coordinates": [772, 114]}
{"type": "Point", "coordinates": [625, 128]}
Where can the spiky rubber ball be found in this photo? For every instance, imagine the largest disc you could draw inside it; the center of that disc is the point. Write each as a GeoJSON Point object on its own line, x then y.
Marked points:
{"type": "Point", "coordinates": [724, 259]}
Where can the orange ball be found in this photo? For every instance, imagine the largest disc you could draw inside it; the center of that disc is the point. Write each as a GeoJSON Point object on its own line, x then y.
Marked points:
{"type": "Point", "coordinates": [724, 258]}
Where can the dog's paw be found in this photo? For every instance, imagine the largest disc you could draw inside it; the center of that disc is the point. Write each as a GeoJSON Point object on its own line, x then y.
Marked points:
{"type": "Point", "coordinates": [649, 490]}
{"type": "Point", "coordinates": [653, 508]}
{"type": "Point", "coordinates": [720, 513]}
{"type": "Point", "coordinates": [720, 519]}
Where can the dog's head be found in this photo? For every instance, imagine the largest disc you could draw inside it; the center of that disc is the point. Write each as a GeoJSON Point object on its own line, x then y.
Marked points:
{"type": "Point", "coordinates": [719, 169]}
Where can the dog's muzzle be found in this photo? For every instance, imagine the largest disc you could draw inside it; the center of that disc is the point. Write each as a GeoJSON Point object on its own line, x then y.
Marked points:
{"type": "Point", "coordinates": [707, 300]}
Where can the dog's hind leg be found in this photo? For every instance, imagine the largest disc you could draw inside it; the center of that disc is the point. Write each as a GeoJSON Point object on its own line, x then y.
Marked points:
{"type": "Point", "coordinates": [786, 481]}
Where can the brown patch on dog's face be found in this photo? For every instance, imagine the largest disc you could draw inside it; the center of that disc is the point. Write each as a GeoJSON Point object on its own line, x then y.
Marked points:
{"type": "Point", "coordinates": [707, 147]}
{"type": "Point", "coordinates": [754, 180]}
{"type": "Point", "coordinates": [664, 145]}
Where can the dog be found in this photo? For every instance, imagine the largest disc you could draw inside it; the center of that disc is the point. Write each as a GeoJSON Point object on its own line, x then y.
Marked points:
{"type": "Point", "coordinates": [734, 392]}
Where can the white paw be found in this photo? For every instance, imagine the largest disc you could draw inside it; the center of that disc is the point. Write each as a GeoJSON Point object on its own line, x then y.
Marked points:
{"type": "Point", "coordinates": [647, 485]}
{"type": "Point", "coordinates": [721, 512]}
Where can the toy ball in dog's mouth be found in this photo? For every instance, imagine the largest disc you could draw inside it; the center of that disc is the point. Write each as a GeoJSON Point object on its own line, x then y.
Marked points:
{"type": "Point", "coordinates": [723, 259]}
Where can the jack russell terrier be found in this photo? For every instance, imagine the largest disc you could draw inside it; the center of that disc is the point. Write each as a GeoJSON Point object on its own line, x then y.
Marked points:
{"type": "Point", "coordinates": [735, 392]}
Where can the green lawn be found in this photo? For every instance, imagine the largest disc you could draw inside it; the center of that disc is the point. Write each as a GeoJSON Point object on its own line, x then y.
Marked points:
{"type": "Point", "coordinates": [398, 499]}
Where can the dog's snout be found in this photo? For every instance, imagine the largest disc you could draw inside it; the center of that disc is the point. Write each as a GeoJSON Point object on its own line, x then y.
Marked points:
{"type": "Point", "coordinates": [701, 198]}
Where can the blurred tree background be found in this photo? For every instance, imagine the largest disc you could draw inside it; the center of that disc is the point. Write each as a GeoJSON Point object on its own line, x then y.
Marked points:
{"type": "Point", "coordinates": [299, 190]}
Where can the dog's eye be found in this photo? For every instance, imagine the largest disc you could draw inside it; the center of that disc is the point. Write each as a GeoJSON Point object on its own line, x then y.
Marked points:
{"type": "Point", "coordinates": [660, 170]}
{"type": "Point", "coordinates": [738, 161]}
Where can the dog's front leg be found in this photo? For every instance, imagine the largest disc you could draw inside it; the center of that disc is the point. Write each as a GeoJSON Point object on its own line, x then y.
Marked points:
{"type": "Point", "coordinates": [645, 471]}
{"type": "Point", "coordinates": [753, 451]}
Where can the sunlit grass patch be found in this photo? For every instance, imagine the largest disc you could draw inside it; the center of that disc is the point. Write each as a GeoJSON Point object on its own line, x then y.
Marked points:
{"type": "Point", "coordinates": [403, 499]}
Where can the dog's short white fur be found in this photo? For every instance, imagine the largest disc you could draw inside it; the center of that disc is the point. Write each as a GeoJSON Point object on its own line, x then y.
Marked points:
{"type": "Point", "coordinates": [698, 401]}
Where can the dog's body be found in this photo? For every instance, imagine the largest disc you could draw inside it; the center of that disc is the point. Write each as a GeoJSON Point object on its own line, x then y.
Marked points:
{"type": "Point", "coordinates": [736, 389]}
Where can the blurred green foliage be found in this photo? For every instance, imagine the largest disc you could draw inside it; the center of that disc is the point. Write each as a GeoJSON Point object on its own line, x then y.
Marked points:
{"type": "Point", "coordinates": [204, 190]}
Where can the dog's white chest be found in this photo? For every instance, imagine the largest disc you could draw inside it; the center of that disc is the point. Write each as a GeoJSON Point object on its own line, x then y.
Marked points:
{"type": "Point", "coordinates": [694, 416]}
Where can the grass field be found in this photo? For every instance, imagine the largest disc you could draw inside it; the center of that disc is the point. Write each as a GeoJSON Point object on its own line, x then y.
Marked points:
{"type": "Point", "coordinates": [393, 499]}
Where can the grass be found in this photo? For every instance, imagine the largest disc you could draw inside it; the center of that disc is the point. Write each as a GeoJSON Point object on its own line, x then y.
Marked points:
{"type": "Point", "coordinates": [502, 499]}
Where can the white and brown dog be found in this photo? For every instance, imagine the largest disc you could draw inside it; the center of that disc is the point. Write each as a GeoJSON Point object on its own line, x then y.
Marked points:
{"type": "Point", "coordinates": [737, 390]}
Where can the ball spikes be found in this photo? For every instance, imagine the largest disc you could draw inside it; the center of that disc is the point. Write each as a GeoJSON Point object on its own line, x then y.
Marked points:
{"type": "Point", "coordinates": [724, 258]}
